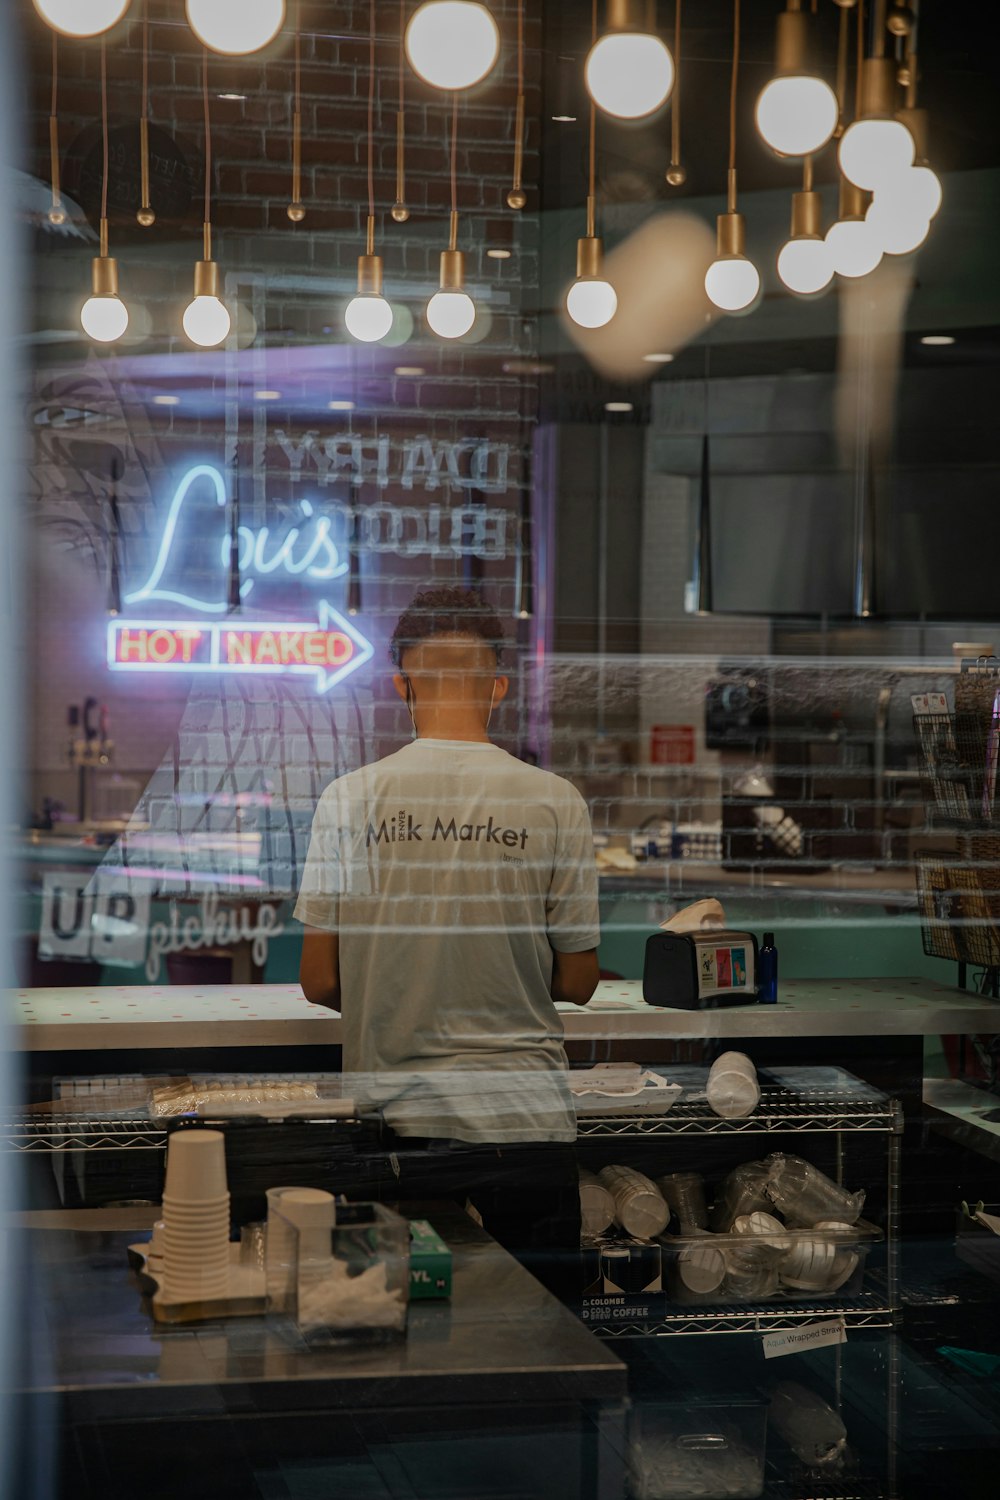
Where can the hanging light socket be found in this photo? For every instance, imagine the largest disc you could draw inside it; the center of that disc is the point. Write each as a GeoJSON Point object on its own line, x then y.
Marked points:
{"type": "Point", "coordinates": [878, 88]}
{"type": "Point", "coordinates": [730, 235]}
{"type": "Point", "coordinates": [807, 216]}
{"type": "Point", "coordinates": [590, 257]}
{"type": "Point", "coordinates": [369, 275]}
{"type": "Point", "coordinates": [104, 276]}
{"type": "Point", "coordinates": [452, 277]}
{"type": "Point", "coordinates": [631, 15]}
{"type": "Point", "coordinates": [206, 279]}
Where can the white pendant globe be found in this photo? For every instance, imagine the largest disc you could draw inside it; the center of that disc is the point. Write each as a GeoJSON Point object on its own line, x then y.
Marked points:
{"type": "Point", "coordinates": [914, 194]}
{"type": "Point", "coordinates": [235, 27]}
{"type": "Point", "coordinates": [805, 266]}
{"type": "Point", "coordinates": [104, 319]}
{"type": "Point", "coordinates": [899, 229]}
{"type": "Point", "coordinates": [591, 302]}
{"type": "Point", "coordinates": [732, 283]}
{"type": "Point", "coordinates": [81, 17]}
{"type": "Point", "coordinates": [873, 153]}
{"type": "Point", "coordinates": [797, 115]}
{"type": "Point", "coordinates": [855, 247]}
{"type": "Point", "coordinates": [629, 74]}
{"type": "Point", "coordinates": [368, 317]}
{"type": "Point", "coordinates": [451, 314]}
{"type": "Point", "coordinates": [206, 321]}
{"type": "Point", "coordinates": [452, 44]}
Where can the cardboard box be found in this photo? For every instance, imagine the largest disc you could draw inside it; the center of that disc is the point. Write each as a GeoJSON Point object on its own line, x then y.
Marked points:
{"type": "Point", "coordinates": [622, 1281]}
{"type": "Point", "coordinates": [430, 1263]}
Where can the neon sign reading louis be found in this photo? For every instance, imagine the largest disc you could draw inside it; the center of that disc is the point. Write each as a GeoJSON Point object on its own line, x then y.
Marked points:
{"type": "Point", "coordinates": [308, 551]}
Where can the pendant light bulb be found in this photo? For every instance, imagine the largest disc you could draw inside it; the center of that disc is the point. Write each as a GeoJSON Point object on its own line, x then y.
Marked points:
{"type": "Point", "coordinates": [852, 241]}
{"type": "Point", "coordinates": [805, 262]}
{"type": "Point", "coordinates": [797, 116]}
{"type": "Point", "coordinates": [629, 72]}
{"type": "Point", "coordinates": [451, 312]}
{"type": "Point", "coordinates": [368, 316]}
{"type": "Point", "coordinates": [452, 44]}
{"type": "Point", "coordinates": [898, 229]}
{"type": "Point", "coordinates": [206, 317]}
{"type": "Point", "coordinates": [81, 18]}
{"type": "Point", "coordinates": [235, 27]}
{"type": "Point", "coordinates": [732, 281]}
{"type": "Point", "coordinates": [104, 315]}
{"type": "Point", "coordinates": [876, 149]}
{"type": "Point", "coordinates": [797, 111]}
{"type": "Point", "coordinates": [591, 301]}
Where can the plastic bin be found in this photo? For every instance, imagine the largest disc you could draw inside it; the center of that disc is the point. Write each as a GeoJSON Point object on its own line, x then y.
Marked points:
{"type": "Point", "coordinates": [710, 1449]}
{"type": "Point", "coordinates": [793, 1265]}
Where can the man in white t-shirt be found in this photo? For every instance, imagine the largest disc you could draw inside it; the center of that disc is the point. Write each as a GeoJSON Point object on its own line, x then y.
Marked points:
{"type": "Point", "coordinates": [449, 899]}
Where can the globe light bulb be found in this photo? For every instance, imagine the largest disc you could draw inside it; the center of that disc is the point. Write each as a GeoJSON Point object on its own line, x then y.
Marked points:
{"type": "Point", "coordinates": [629, 74]}
{"type": "Point", "coordinates": [81, 17]}
{"type": "Point", "coordinates": [854, 246]}
{"type": "Point", "coordinates": [368, 317]}
{"type": "Point", "coordinates": [206, 321]}
{"type": "Point", "coordinates": [875, 153]}
{"type": "Point", "coordinates": [805, 265]}
{"type": "Point", "coordinates": [591, 302]}
{"type": "Point", "coordinates": [452, 44]}
{"type": "Point", "coordinates": [899, 228]}
{"type": "Point", "coordinates": [450, 314]}
{"type": "Point", "coordinates": [797, 116]}
{"type": "Point", "coordinates": [104, 318]}
{"type": "Point", "coordinates": [235, 27]}
{"type": "Point", "coordinates": [913, 195]}
{"type": "Point", "coordinates": [732, 283]}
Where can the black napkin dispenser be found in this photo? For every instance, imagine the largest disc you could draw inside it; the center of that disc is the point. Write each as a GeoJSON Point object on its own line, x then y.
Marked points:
{"type": "Point", "coordinates": [700, 970]}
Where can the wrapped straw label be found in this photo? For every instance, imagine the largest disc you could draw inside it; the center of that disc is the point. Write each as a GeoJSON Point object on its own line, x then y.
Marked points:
{"type": "Point", "coordinates": [799, 1340]}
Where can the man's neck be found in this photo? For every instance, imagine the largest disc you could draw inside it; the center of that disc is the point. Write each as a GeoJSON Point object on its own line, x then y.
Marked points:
{"type": "Point", "coordinates": [439, 724]}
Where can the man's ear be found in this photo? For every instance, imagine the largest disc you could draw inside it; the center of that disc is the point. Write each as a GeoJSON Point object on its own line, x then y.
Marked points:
{"type": "Point", "coordinates": [400, 684]}
{"type": "Point", "coordinates": [501, 687]}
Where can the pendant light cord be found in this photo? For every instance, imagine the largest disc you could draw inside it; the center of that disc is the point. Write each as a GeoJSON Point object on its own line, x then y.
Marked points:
{"type": "Point", "coordinates": [592, 173]}
{"type": "Point", "coordinates": [453, 236]}
{"type": "Point", "coordinates": [208, 155]}
{"type": "Point", "coordinates": [297, 115]}
{"type": "Point", "coordinates": [734, 78]}
{"type": "Point", "coordinates": [145, 216]}
{"type": "Point", "coordinates": [104, 148]}
{"type": "Point", "coordinates": [519, 109]}
{"type": "Point", "coordinates": [843, 47]}
{"type": "Point", "coordinates": [56, 208]}
{"type": "Point", "coordinates": [859, 59]}
{"type": "Point", "coordinates": [371, 122]}
{"type": "Point", "coordinates": [401, 119]}
{"type": "Point", "coordinates": [675, 108]}
{"type": "Point", "coordinates": [145, 63]}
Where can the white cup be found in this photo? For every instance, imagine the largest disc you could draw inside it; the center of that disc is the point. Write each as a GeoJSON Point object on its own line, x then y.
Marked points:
{"type": "Point", "coordinates": [809, 1265]}
{"type": "Point", "coordinates": [196, 1165]}
{"type": "Point", "coordinates": [732, 1094]}
{"type": "Point", "coordinates": [728, 1062]}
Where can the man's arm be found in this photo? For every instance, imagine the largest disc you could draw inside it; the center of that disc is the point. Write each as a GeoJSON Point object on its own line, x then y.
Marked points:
{"type": "Point", "coordinates": [574, 976]}
{"type": "Point", "coordinates": [319, 968]}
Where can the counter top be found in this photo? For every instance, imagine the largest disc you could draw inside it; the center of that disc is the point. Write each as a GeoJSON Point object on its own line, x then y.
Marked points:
{"type": "Point", "coordinates": [959, 1110]}
{"type": "Point", "coordinates": [276, 1015]}
{"type": "Point", "coordinates": [501, 1337]}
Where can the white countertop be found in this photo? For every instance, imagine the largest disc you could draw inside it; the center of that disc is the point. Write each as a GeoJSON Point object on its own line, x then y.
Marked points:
{"type": "Point", "coordinates": [270, 1015]}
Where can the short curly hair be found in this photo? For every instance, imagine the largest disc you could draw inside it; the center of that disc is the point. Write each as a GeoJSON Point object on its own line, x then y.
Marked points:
{"type": "Point", "coordinates": [446, 611]}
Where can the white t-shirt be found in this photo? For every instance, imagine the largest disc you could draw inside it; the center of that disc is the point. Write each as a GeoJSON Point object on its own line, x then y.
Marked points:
{"type": "Point", "coordinates": [451, 871]}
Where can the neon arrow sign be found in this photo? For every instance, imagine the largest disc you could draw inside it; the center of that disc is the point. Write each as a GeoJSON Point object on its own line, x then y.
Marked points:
{"type": "Point", "coordinates": [329, 651]}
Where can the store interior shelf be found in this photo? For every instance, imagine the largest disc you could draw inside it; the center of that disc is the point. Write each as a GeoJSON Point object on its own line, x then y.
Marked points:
{"type": "Point", "coordinates": [840, 1487]}
{"type": "Point", "coordinates": [869, 1310]}
{"type": "Point", "coordinates": [41, 1133]}
{"type": "Point", "coordinates": [780, 1109]}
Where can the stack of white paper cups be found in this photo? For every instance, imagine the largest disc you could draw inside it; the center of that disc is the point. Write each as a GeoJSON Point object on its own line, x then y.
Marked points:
{"type": "Point", "coordinates": [732, 1089]}
{"type": "Point", "coordinates": [196, 1216]}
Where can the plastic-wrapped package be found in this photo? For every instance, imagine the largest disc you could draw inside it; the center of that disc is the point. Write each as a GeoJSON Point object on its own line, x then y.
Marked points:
{"type": "Point", "coordinates": [811, 1428]}
{"type": "Point", "coordinates": [192, 1095]}
{"type": "Point", "coordinates": [742, 1192]}
{"type": "Point", "coordinates": [685, 1193]}
{"type": "Point", "coordinates": [805, 1195]}
{"type": "Point", "coordinates": [679, 1453]}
